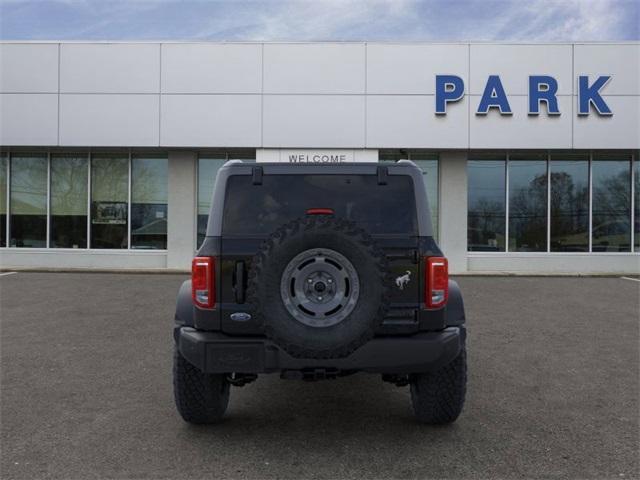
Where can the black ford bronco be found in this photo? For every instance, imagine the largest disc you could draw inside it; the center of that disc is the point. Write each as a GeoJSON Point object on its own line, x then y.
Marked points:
{"type": "Point", "coordinates": [319, 271]}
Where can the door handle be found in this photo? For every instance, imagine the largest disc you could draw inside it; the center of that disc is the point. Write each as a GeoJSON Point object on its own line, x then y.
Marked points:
{"type": "Point", "coordinates": [240, 283]}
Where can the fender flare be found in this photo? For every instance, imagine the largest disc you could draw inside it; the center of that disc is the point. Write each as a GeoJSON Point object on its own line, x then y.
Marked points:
{"type": "Point", "coordinates": [455, 306]}
{"type": "Point", "coordinates": [184, 306]}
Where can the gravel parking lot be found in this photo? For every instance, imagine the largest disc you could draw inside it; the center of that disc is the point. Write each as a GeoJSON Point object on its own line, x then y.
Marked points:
{"type": "Point", "coordinates": [86, 391]}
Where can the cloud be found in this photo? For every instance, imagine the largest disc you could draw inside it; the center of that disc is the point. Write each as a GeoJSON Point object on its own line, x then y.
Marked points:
{"type": "Point", "coordinates": [571, 20]}
{"type": "Point", "coordinates": [434, 20]}
{"type": "Point", "coordinates": [331, 20]}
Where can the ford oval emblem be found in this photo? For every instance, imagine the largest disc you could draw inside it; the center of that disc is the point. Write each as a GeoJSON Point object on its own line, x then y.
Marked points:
{"type": "Point", "coordinates": [240, 317]}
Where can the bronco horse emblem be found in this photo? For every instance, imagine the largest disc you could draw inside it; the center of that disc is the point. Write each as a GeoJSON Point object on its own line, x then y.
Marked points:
{"type": "Point", "coordinates": [402, 280]}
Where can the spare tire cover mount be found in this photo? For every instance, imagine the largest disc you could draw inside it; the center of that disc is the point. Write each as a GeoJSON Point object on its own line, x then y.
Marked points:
{"type": "Point", "coordinates": [320, 287]}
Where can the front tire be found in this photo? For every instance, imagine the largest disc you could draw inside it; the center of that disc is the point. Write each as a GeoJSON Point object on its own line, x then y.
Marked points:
{"type": "Point", "coordinates": [201, 398]}
{"type": "Point", "coordinates": [438, 397]}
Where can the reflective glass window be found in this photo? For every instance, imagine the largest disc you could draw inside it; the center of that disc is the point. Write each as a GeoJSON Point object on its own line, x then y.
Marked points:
{"type": "Point", "coordinates": [109, 197]}
{"type": "Point", "coordinates": [569, 203]}
{"type": "Point", "coordinates": [636, 188]}
{"type": "Point", "coordinates": [260, 210]}
{"type": "Point", "coordinates": [611, 214]}
{"type": "Point", "coordinates": [392, 155]}
{"type": "Point", "coordinates": [486, 205]}
{"type": "Point", "coordinates": [149, 197]}
{"type": "Point", "coordinates": [428, 163]}
{"type": "Point", "coordinates": [207, 172]}
{"type": "Point", "coordinates": [527, 203]}
{"type": "Point", "coordinates": [4, 161]}
{"type": "Point", "coordinates": [244, 154]}
{"type": "Point", "coordinates": [28, 208]}
{"type": "Point", "coordinates": [69, 185]}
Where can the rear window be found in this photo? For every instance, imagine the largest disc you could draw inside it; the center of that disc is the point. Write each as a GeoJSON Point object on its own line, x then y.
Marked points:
{"type": "Point", "coordinates": [260, 209]}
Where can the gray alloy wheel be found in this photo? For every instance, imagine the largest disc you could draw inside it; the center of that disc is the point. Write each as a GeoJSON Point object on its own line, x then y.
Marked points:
{"type": "Point", "coordinates": [320, 287]}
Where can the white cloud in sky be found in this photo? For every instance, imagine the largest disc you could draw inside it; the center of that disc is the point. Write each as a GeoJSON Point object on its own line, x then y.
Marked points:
{"type": "Point", "coordinates": [549, 20]}
{"type": "Point", "coordinates": [303, 20]}
{"type": "Point", "coordinates": [540, 20]}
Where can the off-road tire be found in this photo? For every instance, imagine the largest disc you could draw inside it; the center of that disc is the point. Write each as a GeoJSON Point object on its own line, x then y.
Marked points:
{"type": "Point", "coordinates": [438, 397]}
{"type": "Point", "coordinates": [201, 398]}
{"type": "Point", "coordinates": [264, 281]}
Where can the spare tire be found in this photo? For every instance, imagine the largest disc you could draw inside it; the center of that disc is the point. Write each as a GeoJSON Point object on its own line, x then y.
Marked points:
{"type": "Point", "coordinates": [318, 286]}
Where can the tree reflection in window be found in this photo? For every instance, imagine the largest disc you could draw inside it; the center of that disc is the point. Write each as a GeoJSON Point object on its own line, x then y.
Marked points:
{"type": "Point", "coordinates": [611, 230]}
{"type": "Point", "coordinates": [569, 203]}
{"type": "Point", "coordinates": [636, 189]}
{"type": "Point", "coordinates": [4, 161]}
{"type": "Point", "coordinates": [109, 194]}
{"type": "Point", "coordinates": [149, 197]}
{"type": "Point", "coordinates": [68, 222]}
{"type": "Point", "coordinates": [28, 222]}
{"type": "Point", "coordinates": [528, 203]}
{"type": "Point", "coordinates": [486, 205]}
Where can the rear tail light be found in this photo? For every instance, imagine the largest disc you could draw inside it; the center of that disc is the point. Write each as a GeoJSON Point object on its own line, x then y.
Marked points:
{"type": "Point", "coordinates": [319, 211]}
{"type": "Point", "coordinates": [203, 285]}
{"type": "Point", "coordinates": [436, 282]}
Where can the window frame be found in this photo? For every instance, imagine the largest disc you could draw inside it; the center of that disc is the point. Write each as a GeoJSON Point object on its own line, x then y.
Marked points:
{"type": "Point", "coordinates": [49, 193]}
{"type": "Point", "coordinates": [491, 157]}
{"type": "Point", "coordinates": [589, 201]}
{"type": "Point", "coordinates": [164, 155]}
{"type": "Point", "coordinates": [21, 152]}
{"type": "Point", "coordinates": [100, 153]}
{"type": "Point", "coordinates": [6, 154]}
{"type": "Point", "coordinates": [631, 163]}
{"type": "Point", "coordinates": [633, 159]}
{"type": "Point", "coordinates": [89, 154]}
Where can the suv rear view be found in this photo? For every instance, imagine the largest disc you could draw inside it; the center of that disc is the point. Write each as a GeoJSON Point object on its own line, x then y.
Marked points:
{"type": "Point", "coordinates": [318, 271]}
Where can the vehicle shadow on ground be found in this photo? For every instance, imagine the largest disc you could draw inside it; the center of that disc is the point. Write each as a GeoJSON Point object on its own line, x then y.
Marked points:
{"type": "Point", "coordinates": [332, 428]}
{"type": "Point", "coordinates": [350, 407]}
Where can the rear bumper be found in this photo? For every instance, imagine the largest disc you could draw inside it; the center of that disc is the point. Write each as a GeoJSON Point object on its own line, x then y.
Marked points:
{"type": "Point", "coordinates": [214, 352]}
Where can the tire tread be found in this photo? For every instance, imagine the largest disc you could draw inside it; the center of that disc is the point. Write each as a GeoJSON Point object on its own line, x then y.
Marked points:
{"type": "Point", "coordinates": [438, 397]}
{"type": "Point", "coordinates": [200, 398]}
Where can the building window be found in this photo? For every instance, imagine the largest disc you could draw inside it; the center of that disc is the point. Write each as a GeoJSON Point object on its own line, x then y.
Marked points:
{"type": "Point", "coordinates": [487, 204]}
{"type": "Point", "coordinates": [527, 203]}
{"type": "Point", "coordinates": [569, 209]}
{"type": "Point", "coordinates": [28, 207]}
{"type": "Point", "coordinates": [208, 166]}
{"type": "Point", "coordinates": [149, 197]}
{"type": "Point", "coordinates": [636, 202]}
{"type": "Point", "coordinates": [4, 165]}
{"type": "Point", "coordinates": [76, 200]}
{"type": "Point", "coordinates": [580, 202]}
{"type": "Point", "coordinates": [109, 197]}
{"type": "Point", "coordinates": [68, 208]}
{"type": "Point", "coordinates": [611, 185]}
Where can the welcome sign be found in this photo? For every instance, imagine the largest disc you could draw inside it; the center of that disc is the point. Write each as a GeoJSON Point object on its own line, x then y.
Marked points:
{"type": "Point", "coordinates": [322, 156]}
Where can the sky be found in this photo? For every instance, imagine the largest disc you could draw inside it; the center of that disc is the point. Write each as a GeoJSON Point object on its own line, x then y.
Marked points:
{"type": "Point", "coordinates": [321, 20]}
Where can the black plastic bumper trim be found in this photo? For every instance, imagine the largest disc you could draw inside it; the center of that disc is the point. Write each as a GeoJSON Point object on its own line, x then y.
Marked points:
{"type": "Point", "coordinates": [214, 352]}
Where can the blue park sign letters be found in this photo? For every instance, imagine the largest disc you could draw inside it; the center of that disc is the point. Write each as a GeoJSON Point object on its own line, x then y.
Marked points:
{"type": "Point", "coordinates": [542, 89]}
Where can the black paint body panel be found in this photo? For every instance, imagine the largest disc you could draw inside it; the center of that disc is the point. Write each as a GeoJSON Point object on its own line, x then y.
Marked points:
{"type": "Point", "coordinates": [407, 316]}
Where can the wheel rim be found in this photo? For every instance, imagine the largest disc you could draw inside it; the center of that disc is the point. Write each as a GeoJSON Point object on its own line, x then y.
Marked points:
{"type": "Point", "coordinates": [320, 287]}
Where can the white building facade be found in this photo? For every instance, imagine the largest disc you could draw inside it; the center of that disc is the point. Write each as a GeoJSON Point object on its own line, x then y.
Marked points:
{"type": "Point", "coordinates": [108, 151]}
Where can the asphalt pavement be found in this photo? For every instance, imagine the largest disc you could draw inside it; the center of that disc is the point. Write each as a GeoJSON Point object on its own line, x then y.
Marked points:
{"type": "Point", "coordinates": [86, 391]}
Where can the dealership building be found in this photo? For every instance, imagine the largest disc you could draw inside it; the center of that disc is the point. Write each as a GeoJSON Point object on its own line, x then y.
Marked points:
{"type": "Point", "coordinates": [109, 151]}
